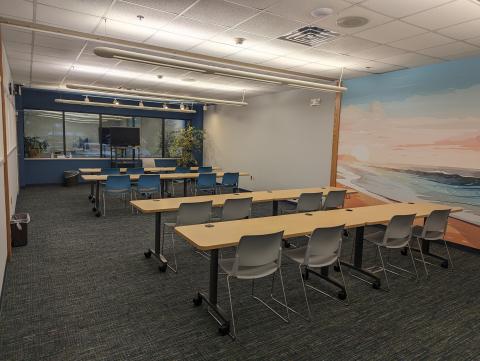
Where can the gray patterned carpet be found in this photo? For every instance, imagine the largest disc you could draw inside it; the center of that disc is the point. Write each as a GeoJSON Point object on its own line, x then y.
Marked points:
{"type": "Point", "coordinates": [82, 290]}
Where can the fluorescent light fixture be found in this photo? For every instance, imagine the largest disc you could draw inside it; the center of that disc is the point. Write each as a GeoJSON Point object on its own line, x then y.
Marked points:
{"type": "Point", "coordinates": [122, 106]}
{"type": "Point", "coordinates": [308, 87]}
{"type": "Point", "coordinates": [153, 95]}
{"type": "Point", "coordinates": [214, 69]}
{"type": "Point", "coordinates": [250, 78]}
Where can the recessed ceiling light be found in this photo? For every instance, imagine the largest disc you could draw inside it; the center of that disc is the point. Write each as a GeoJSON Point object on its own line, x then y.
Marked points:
{"type": "Point", "coordinates": [352, 21]}
{"type": "Point", "coordinates": [321, 12]}
{"type": "Point", "coordinates": [239, 41]}
{"type": "Point", "coordinates": [188, 80]}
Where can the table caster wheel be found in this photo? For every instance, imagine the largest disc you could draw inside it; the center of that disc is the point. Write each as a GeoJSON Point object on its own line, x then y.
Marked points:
{"type": "Point", "coordinates": [147, 254]}
{"type": "Point", "coordinates": [98, 214]}
{"type": "Point", "coordinates": [404, 251]}
{"type": "Point", "coordinates": [341, 295]}
{"type": "Point", "coordinates": [444, 264]}
{"type": "Point", "coordinates": [336, 268]}
{"type": "Point", "coordinates": [376, 285]}
{"type": "Point", "coordinates": [93, 200]}
{"type": "Point", "coordinates": [197, 300]}
{"type": "Point", "coordinates": [163, 267]}
{"type": "Point", "coordinates": [224, 329]}
{"type": "Point", "coordinates": [90, 196]}
{"type": "Point", "coordinates": [287, 244]}
{"type": "Point", "coordinates": [94, 209]}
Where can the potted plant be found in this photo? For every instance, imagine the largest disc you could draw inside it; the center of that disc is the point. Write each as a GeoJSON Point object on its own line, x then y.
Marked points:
{"type": "Point", "coordinates": [185, 143]}
{"type": "Point", "coordinates": [34, 146]}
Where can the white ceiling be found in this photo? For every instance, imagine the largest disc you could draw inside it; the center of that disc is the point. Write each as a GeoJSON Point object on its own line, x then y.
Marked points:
{"type": "Point", "coordinates": [400, 34]}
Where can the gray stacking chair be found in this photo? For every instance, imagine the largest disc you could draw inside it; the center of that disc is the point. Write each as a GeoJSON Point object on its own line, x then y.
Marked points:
{"type": "Point", "coordinates": [234, 209]}
{"type": "Point", "coordinates": [396, 234]}
{"type": "Point", "coordinates": [433, 230]}
{"type": "Point", "coordinates": [307, 202]}
{"type": "Point", "coordinates": [334, 200]}
{"type": "Point", "coordinates": [256, 257]}
{"type": "Point", "coordinates": [188, 214]}
{"type": "Point", "coordinates": [323, 249]}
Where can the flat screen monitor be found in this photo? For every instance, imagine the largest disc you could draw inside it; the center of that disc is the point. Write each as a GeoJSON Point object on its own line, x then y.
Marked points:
{"type": "Point", "coordinates": [121, 136]}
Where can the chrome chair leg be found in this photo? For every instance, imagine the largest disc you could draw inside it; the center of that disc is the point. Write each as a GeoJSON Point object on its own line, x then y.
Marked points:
{"type": "Point", "coordinates": [383, 267]}
{"type": "Point", "coordinates": [343, 279]}
{"type": "Point", "coordinates": [104, 207]}
{"type": "Point", "coordinates": [423, 258]}
{"type": "Point", "coordinates": [413, 260]}
{"type": "Point", "coordinates": [231, 308]}
{"type": "Point", "coordinates": [174, 255]}
{"type": "Point", "coordinates": [448, 255]}
{"type": "Point", "coordinates": [305, 293]}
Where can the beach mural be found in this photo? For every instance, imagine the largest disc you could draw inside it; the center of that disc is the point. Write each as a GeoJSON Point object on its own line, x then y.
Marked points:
{"type": "Point", "coordinates": [415, 135]}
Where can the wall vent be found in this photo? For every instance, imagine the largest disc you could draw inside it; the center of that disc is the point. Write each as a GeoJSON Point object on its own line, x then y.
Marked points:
{"type": "Point", "coordinates": [310, 36]}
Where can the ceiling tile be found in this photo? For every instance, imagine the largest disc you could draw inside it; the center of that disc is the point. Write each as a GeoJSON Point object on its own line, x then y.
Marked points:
{"type": "Point", "coordinates": [376, 67]}
{"type": "Point", "coordinates": [374, 18]}
{"type": "Point", "coordinates": [313, 68]}
{"type": "Point", "coordinates": [463, 31]}
{"type": "Point", "coordinates": [127, 13]}
{"type": "Point", "coordinates": [219, 12]}
{"type": "Point", "coordinates": [117, 29]}
{"type": "Point", "coordinates": [66, 19]}
{"type": "Point", "coordinates": [283, 62]}
{"type": "Point", "coordinates": [347, 45]}
{"type": "Point", "coordinates": [390, 32]}
{"type": "Point", "coordinates": [445, 15]}
{"type": "Point", "coordinates": [281, 47]}
{"type": "Point", "coordinates": [351, 74]}
{"type": "Point", "coordinates": [18, 9]}
{"type": "Point", "coordinates": [422, 41]}
{"type": "Point", "coordinates": [399, 9]}
{"type": "Point", "coordinates": [58, 42]}
{"type": "Point", "coordinates": [300, 10]}
{"type": "Point", "coordinates": [256, 4]}
{"type": "Point", "coordinates": [269, 25]}
{"type": "Point", "coordinates": [251, 56]}
{"type": "Point", "coordinates": [135, 67]}
{"type": "Point", "coordinates": [193, 28]}
{"type": "Point", "coordinates": [48, 72]}
{"type": "Point", "coordinates": [173, 41]}
{"type": "Point", "coordinates": [336, 60]}
{"type": "Point", "coordinates": [21, 48]}
{"type": "Point", "coordinates": [65, 54]}
{"type": "Point", "coordinates": [212, 48]}
{"type": "Point", "coordinates": [410, 60]}
{"type": "Point", "coordinates": [378, 52]}
{"type": "Point", "coordinates": [92, 7]}
{"type": "Point", "coordinates": [170, 6]}
{"type": "Point", "coordinates": [10, 35]}
{"type": "Point", "coordinates": [474, 41]}
{"type": "Point", "coordinates": [451, 51]}
{"type": "Point", "coordinates": [228, 37]}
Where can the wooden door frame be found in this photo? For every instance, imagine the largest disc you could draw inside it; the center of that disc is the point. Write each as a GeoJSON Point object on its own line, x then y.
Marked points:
{"type": "Point", "coordinates": [335, 137]}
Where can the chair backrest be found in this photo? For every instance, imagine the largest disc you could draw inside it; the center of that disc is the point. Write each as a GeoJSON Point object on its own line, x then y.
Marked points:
{"type": "Point", "coordinates": [207, 180]}
{"type": "Point", "coordinates": [334, 199]}
{"type": "Point", "coordinates": [324, 245]}
{"type": "Point", "coordinates": [436, 225]}
{"type": "Point", "coordinates": [194, 213]}
{"type": "Point", "coordinates": [118, 183]}
{"type": "Point", "coordinates": [182, 170]}
{"type": "Point", "coordinates": [109, 171]}
{"type": "Point", "coordinates": [148, 181]}
{"type": "Point", "coordinates": [230, 179]}
{"type": "Point", "coordinates": [205, 169]}
{"type": "Point", "coordinates": [258, 250]}
{"type": "Point", "coordinates": [135, 171]}
{"type": "Point", "coordinates": [399, 229]}
{"type": "Point", "coordinates": [234, 209]}
{"type": "Point", "coordinates": [309, 202]}
{"type": "Point", "coordinates": [165, 162]}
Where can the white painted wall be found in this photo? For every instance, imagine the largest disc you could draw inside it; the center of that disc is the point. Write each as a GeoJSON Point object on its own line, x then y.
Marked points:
{"type": "Point", "coordinates": [11, 156]}
{"type": "Point", "coordinates": [279, 139]}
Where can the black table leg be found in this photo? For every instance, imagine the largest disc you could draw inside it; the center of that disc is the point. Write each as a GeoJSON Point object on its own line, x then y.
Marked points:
{"type": "Point", "coordinates": [157, 252]}
{"type": "Point", "coordinates": [275, 208]}
{"type": "Point", "coordinates": [185, 187]}
{"type": "Point", "coordinates": [211, 300]}
{"type": "Point", "coordinates": [91, 196]}
{"type": "Point", "coordinates": [96, 207]}
{"type": "Point", "coordinates": [358, 258]}
{"type": "Point", "coordinates": [342, 294]}
{"type": "Point", "coordinates": [162, 188]}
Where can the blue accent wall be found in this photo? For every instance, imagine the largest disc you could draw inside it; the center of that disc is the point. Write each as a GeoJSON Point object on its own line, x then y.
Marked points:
{"type": "Point", "coordinates": [50, 171]}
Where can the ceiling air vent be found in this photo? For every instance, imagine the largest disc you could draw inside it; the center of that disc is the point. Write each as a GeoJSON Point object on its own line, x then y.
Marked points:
{"type": "Point", "coordinates": [310, 36]}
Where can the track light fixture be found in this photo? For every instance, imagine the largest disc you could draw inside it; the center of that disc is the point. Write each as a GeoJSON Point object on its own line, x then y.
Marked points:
{"type": "Point", "coordinates": [123, 106]}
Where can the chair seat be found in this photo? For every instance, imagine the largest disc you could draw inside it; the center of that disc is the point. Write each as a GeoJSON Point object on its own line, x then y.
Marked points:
{"type": "Point", "coordinates": [430, 235]}
{"type": "Point", "coordinates": [169, 224]}
{"type": "Point", "coordinates": [298, 255]}
{"type": "Point", "coordinates": [116, 190]}
{"type": "Point", "coordinates": [247, 272]}
{"type": "Point", "coordinates": [147, 190]}
{"type": "Point", "coordinates": [377, 239]}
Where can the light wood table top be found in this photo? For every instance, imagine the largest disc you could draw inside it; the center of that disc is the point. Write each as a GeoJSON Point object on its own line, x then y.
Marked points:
{"type": "Point", "coordinates": [172, 204]}
{"type": "Point", "coordinates": [226, 234]}
{"type": "Point", "coordinates": [147, 170]}
{"type": "Point", "coordinates": [166, 176]}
